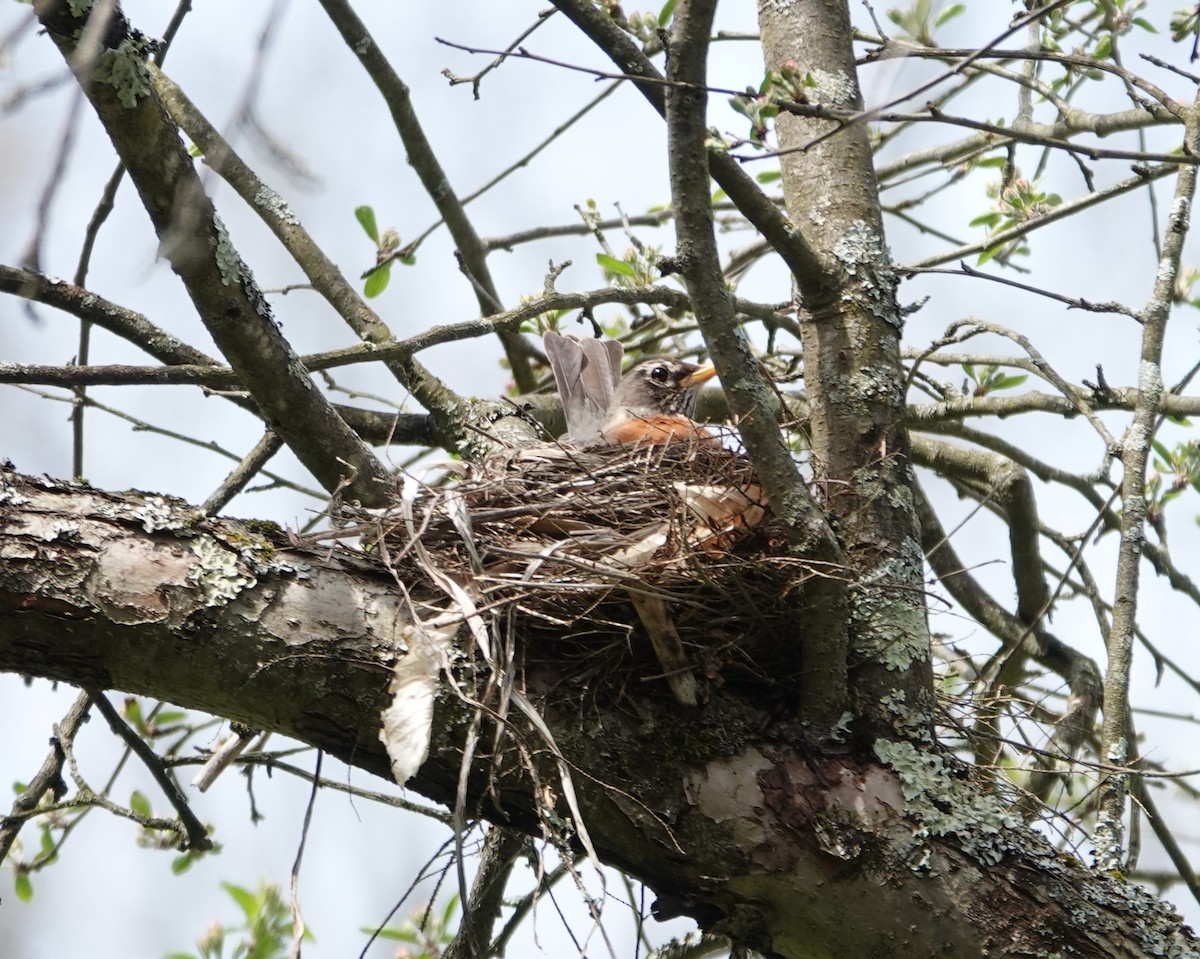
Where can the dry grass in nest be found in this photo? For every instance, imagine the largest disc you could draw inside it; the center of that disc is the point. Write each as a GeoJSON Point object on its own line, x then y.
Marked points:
{"type": "Point", "coordinates": [558, 538]}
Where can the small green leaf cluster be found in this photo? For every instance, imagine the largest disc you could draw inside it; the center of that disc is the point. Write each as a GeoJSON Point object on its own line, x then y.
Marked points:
{"type": "Point", "coordinates": [428, 933]}
{"type": "Point", "coordinates": [387, 252]}
{"type": "Point", "coordinates": [645, 27]}
{"type": "Point", "coordinates": [1018, 201]}
{"type": "Point", "coordinates": [1185, 284]}
{"type": "Point", "coordinates": [989, 379]}
{"type": "Point", "coordinates": [1098, 27]}
{"type": "Point", "coordinates": [1185, 23]}
{"type": "Point", "coordinates": [920, 21]}
{"type": "Point", "coordinates": [1175, 470]}
{"type": "Point", "coordinates": [787, 84]}
{"type": "Point", "coordinates": [47, 852]}
{"type": "Point", "coordinates": [635, 269]}
{"type": "Point", "coordinates": [265, 934]}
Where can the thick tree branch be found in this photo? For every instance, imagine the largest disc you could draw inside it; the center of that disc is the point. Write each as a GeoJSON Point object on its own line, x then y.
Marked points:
{"type": "Point", "coordinates": [1012, 491]}
{"type": "Point", "coordinates": [92, 308]}
{"type": "Point", "coordinates": [1134, 451]}
{"type": "Point", "coordinates": [192, 237]}
{"type": "Point", "coordinates": [753, 403]}
{"type": "Point", "coordinates": [195, 612]}
{"type": "Point", "coordinates": [853, 376]}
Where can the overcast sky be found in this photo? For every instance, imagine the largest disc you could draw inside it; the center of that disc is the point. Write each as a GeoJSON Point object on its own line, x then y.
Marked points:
{"type": "Point", "coordinates": [313, 99]}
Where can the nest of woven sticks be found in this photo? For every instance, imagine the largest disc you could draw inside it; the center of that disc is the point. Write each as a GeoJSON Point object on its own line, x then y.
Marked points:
{"type": "Point", "coordinates": [552, 542]}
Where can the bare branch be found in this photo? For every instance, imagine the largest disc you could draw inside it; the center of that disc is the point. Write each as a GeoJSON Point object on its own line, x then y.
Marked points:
{"type": "Point", "coordinates": [790, 243]}
{"type": "Point", "coordinates": [424, 161]}
{"type": "Point", "coordinates": [197, 834]}
{"type": "Point", "coordinates": [48, 778]}
{"type": "Point", "coordinates": [221, 286]}
{"type": "Point", "coordinates": [1134, 452]}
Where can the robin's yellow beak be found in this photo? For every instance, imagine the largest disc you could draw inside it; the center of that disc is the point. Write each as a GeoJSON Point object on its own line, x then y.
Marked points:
{"type": "Point", "coordinates": [699, 375]}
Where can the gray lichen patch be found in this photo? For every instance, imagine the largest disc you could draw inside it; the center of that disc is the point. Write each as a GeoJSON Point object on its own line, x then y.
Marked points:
{"type": "Point", "coordinates": [944, 804]}
{"type": "Point", "coordinates": [155, 513]}
{"type": "Point", "coordinates": [124, 69]}
{"type": "Point", "coordinates": [867, 262]}
{"type": "Point", "coordinates": [835, 88]}
{"type": "Point", "coordinates": [273, 203]}
{"type": "Point", "coordinates": [234, 271]}
{"type": "Point", "coordinates": [909, 722]}
{"type": "Point", "coordinates": [228, 262]}
{"type": "Point", "coordinates": [218, 574]}
{"type": "Point", "coordinates": [889, 612]}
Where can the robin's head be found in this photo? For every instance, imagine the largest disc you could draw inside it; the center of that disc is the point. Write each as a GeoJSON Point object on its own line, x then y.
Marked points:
{"type": "Point", "coordinates": [660, 387]}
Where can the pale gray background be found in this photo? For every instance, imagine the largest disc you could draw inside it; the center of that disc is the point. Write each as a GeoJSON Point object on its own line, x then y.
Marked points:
{"type": "Point", "coordinates": [108, 897]}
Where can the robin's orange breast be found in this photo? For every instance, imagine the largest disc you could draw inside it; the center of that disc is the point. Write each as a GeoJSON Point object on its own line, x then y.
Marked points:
{"type": "Point", "coordinates": [655, 430]}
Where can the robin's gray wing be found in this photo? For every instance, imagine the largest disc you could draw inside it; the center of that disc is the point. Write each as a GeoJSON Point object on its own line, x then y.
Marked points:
{"type": "Point", "coordinates": [586, 373]}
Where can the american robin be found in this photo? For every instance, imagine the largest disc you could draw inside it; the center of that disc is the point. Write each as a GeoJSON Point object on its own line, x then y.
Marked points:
{"type": "Point", "coordinates": [654, 404]}
{"type": "Point", "coordinates": [587, 373]}
{"type": "Point", "coordinates": [650, 405]}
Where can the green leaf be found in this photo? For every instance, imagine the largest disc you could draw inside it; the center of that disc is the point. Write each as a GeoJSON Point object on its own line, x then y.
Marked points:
{"type": "Point", "coordinates": [613, 265]}
{"type": "Point", "coordinates": [133, 713]}
{"type": "Point", "coordinates": [949, 13]}
{"type": "Point", "coordinates": [1145, 24]}
{"type": "Point", "coordinates": [182, 863]}
{"type": "Point", "coordinates": [399, 935]}
{"type": "Point", "coordinates": [449, 911]}
{"type": "Point", "coordinates": [664, 15]}
{"type": "Point", "coordinates": [769, 176]}
{"type": "Point", "coordinates": [377, 281]}
{"type": "Point", "coordinates": [987, 255]}
{"type": "Point", "coordinates": [988, 219]}
{"type": "Point", "coordinates": [140, 804]}
{"type": "Point", "coordinates": [366, 217]}
{"type": "Point", "coordinates": [24, 887]}
{"type": "Point", "coordinates": [244, 898]}
{"type": "Point", "coordinates": [1161, 449]}
{"type": "Point", "coordinates": [1008, 382]}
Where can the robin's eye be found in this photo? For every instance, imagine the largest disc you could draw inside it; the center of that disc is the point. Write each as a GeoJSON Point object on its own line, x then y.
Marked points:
{"type": "Point", "coordinates": [660, 374]}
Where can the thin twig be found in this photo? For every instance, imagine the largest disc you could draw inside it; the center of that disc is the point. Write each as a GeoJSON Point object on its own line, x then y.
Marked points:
{"type": "Point", "coordinates": [294, 886]}
{"type": "Point", "coordinates": [197, 833]}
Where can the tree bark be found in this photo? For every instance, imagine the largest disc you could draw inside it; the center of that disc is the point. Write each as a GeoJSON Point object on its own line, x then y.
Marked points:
{"type": "Point", "coordinates": [721, 810]}
{"type": "Point", "coordinates": [852, 371]}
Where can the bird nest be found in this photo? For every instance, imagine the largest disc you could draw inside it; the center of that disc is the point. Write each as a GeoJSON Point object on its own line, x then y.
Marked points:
{"type": "Point", "coordinates": [581, 553]}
